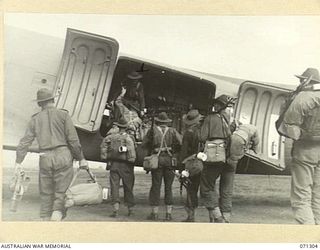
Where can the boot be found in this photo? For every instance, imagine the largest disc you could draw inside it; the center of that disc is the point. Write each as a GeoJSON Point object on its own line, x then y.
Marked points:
{"type": "Point", "coordinates": [211, 218]}
{"type": "Point", "coordinates": [168, 217]}
{"type": "Point", "coordinates": [190, 212]}
{"type": "Point", "coordinates": [45, 218]}
{"type": "Point", "coordinates": [64, 213]}
{"type": "Point", "coordinates": [215, 215]}
{"type": "Point", "coordinates": [56, 216]}
{"type": "Point", "coordinates": [114, 214]}
{"type": "Point", "coordinates": [130, 211]}
{"type": "Point", "coordinates": [226, 217]}
{"type": "Point", "coordinates": [115, 210]}
{"type": "Point", "coordinates": [153, 216]}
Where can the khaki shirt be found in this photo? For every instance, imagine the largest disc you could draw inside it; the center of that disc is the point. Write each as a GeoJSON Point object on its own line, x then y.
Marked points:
{"type": "Point", "coordinates": [215, 126]}
{"type": "Point", "coordinates": [52, 128]}
{"type": "Point", "coordinates": [172, 139]}
{"type": "Point", "coordinates": [298, 112]}
{"type": "Point", "coordinates": [249, 134]}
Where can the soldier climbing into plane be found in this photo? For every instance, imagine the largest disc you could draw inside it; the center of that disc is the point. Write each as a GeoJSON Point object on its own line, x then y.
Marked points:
{"type": "Point", "coordinates": [130, 102]}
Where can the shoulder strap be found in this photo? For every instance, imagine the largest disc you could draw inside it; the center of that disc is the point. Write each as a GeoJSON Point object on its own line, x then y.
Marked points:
{"type": "Point", "coordinates": [162, 139]}
{"type": "Point", "coordinates": [224, 122]}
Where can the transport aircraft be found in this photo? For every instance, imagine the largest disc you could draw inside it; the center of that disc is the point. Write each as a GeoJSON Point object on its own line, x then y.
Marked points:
{"type": "Point", "coordinates": [85, 71]}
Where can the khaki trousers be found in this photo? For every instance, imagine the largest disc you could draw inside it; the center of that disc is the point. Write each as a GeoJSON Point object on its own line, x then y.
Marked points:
{"type": "Point", "coordinates": [305, 182]}
{"type": "Point", "coordinates": [55, 176]}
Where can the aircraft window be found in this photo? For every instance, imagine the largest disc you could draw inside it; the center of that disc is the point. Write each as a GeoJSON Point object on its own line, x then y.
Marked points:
{"type": "Point", "coordinates": [40, 79]}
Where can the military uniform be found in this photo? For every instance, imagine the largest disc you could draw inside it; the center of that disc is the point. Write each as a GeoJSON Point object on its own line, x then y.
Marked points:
{"type": "Point", "coordinates": [244, 137]}
{"type": "Point", "coordinates": [120, 164]}
{"type": "Point", "coordinates": [165, 171]}
{"type": "Point", "coordinates": [190, 146]}
{"type": "Point", "coordinates": [133, 95]}
{"type": "Point", "coordinates": [59, 144]}
{"type": "Point", "coordinates": [216, 126]}
{"type": "Point", "coordinates": [302, 122]}
{"type": "Point", "coordinates": [240, 140]}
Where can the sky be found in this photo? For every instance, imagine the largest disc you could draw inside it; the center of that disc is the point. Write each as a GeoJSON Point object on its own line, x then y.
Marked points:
{"type": "Point", "coordinates": [260, 48]}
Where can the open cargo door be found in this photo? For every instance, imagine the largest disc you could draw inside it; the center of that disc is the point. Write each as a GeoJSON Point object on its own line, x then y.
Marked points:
{"type": "Point", "coordinates": [84, 77]}
{"type": "Point", "coordinates": [259, 104]}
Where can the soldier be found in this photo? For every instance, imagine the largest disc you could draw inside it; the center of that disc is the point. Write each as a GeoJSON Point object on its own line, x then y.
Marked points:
{"type": "Point", "coordinates": [130, 103]}
{"type": "Point", "coordinates": [58, 144]}
{"type": "Point", "coordinates": [215, 133]}
{"type": "Point", "coordinates": [119, 150]}
{"type": "Point", "coordinates": [245, 137]}
{"type": "Point", "coordinates": [132, 94]}
{"type": "Point", "coordinates": [190, 146]}
{"type": "Point", "coordinates": [172, 143]}
{"type": "Point", "coordinates": [302, 123]}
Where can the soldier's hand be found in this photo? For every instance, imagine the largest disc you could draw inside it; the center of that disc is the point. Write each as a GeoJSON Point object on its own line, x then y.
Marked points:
{"type": "Point", "coordinates": [83, 164]}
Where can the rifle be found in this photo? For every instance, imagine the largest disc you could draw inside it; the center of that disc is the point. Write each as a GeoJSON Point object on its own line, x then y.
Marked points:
{"type": "Point", "coordinates": [19, 185]}
{"type": "Point", "coordinates": [279, 123]}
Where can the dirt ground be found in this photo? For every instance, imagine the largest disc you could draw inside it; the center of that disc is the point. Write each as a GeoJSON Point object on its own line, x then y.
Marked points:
{"type": "Point", "coordinates": [257, 199]}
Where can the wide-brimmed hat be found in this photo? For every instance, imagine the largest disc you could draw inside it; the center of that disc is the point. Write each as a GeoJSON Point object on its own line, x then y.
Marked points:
{"type": "Point", "coordinates": [44, 95]}
{"type": "Point", "coordinates": [308, 73]}
{"type": "Point", "coordinates": [222, 99]}
{"type": "Point", "coordinates": [192, 117]}
{"type": "Point", "coordinates": [122, 123]}
{"type": "Point", "coordinates": [163, 118]}
{"type": "Point", "coordinates": [134, 75]}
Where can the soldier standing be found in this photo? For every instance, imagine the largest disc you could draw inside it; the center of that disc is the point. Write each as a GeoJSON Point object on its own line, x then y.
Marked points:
{"type": "Point", "coordinates": [119, 150]}
{"type": "Point", "coordinates": [215, 128]}
{"type": "Point", "coordinates": [190, 146]}
{"type": "Point", "coordinates": [302, 123]}
{"type": "Point", "coordinates": [58, 144]}
{"type": "Point", "coordinates": [172, 143]}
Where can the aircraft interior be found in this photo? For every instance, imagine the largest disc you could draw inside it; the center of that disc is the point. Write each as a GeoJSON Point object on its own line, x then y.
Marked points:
{"type": "Point", "coordinates": [165, 89]}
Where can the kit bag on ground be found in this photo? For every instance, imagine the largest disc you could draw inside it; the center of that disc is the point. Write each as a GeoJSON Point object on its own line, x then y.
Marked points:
{"type": "Point", "coordinates": [84, 193]}
{"type": "Point", "coordinates": [152, 162]}
{"type": "Point", "coordinates": [193, 165]}
{"type": "Point", "coordinates": [115, 147]}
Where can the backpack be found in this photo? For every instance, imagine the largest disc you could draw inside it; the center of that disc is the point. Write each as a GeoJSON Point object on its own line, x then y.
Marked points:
{"type": "Point", "coordinates": [118, 147]}
{"type": "Point", "coordinates": [216, 149]}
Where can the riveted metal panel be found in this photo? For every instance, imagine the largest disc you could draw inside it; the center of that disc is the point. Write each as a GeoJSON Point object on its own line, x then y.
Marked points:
{"type": "Point", "coordinates": [85, 77]}
{"type": "Point", "coordinates": [259, 104]}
